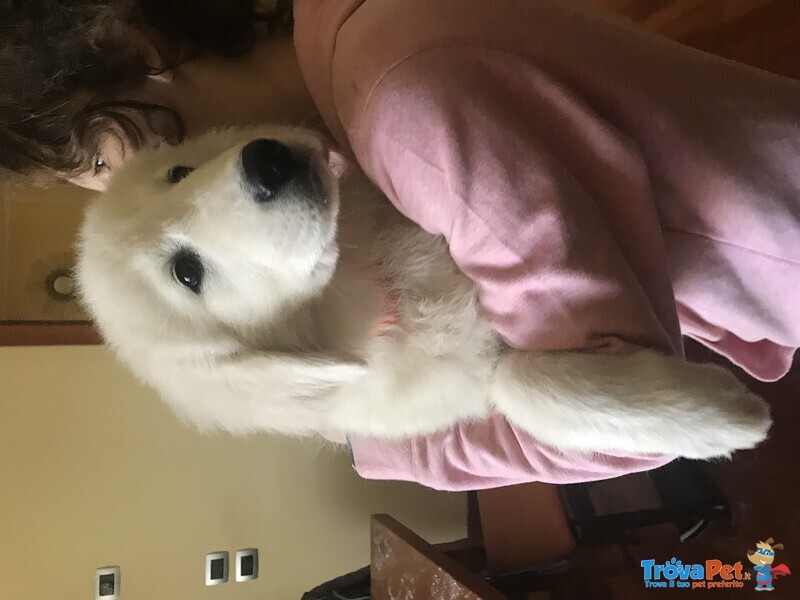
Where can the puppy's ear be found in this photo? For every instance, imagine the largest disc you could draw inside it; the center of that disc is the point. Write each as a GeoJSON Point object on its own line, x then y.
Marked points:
{"type": "Point", "coordinates": [770, 540]}
{"type": "Point", "coordinates": [777, 546]}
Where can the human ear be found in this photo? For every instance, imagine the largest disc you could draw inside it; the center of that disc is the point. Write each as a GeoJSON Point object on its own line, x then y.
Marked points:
{"type": "Point", "coordinates": [152, 47]}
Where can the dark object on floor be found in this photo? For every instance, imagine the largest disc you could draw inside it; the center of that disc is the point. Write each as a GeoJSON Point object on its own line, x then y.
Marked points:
{"type": "Point", "coordinates": [353, 586]}
{"type": "Point", "coordinates": [695, 502]}
{"type": "Point", "coordinates": [689, 500]}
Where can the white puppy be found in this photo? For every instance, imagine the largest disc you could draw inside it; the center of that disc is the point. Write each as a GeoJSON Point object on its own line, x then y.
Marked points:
{"type": "Point", "coordinates": [257, 290]}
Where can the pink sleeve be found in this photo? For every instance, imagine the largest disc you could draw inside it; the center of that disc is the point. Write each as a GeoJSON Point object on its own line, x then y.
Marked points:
{"type": "Point", "coordinates": [486, 454]}
{"type": "Point", "coordinates": [548, 209]}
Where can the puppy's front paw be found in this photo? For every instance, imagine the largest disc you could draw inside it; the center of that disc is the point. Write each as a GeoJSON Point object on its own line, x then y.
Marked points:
{"type": "Point", "coordinates": [733, 418]}
{"type": "Point", "coordinates": [641, 403]}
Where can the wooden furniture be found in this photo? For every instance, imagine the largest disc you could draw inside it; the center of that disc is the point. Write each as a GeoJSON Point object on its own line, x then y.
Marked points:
{"type": "Point", "coordinates": [540, 541]}
{"type": "Point", "coordinates": [760, 33]}
{"type": "Point", "coordinates": [524, 525]}
{"type": "Point", "coordinates": [403, 565]}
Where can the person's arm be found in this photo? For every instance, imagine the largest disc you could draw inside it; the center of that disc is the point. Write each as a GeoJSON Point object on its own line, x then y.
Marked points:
{"type": "Point", "coordinates": [547, 208]}
{"type": "Point", "coordinates": [485, 454]}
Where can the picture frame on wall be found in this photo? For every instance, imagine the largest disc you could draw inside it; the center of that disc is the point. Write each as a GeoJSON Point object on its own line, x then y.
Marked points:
{"type": "Point", "coordinates": [39, 305]}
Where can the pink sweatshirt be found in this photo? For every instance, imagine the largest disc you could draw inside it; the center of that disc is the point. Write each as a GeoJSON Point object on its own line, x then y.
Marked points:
{"type": "Point", "coordinates": [603, 187]}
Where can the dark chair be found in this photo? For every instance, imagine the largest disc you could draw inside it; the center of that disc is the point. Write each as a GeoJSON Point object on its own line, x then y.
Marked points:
{"type": "Point", "coordinates": [689, 501]}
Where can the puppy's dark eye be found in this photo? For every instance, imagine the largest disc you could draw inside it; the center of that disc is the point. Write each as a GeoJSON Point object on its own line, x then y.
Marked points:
{"type": "Point", "coordinates": [175, 174]}
{"type": "Point", "coordinates": [188, 271]}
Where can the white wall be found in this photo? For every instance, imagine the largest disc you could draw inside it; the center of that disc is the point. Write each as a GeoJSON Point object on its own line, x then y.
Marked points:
{"type": "Point", "coordinates": [96, 472]}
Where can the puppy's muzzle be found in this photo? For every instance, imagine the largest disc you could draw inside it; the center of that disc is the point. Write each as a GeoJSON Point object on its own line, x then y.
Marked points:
{"type": "Point", "coordinates": [268, 166]}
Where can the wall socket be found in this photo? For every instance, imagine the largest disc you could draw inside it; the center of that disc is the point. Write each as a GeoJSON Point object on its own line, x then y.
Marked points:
{"type": "Point", "coordinates": [247, 564]}
{"type": "Point", "coordinates": [216, 568]}
{"type": "Point", "coordinates": [107, 583]}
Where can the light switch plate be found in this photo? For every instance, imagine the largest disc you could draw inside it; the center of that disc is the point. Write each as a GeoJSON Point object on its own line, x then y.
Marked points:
{"type": "Point", "coordinates": [247, 564]}
{"type": "Point", "coordinates": [107, 583]}
{"type": "Point", "coordinates": [216, 568]}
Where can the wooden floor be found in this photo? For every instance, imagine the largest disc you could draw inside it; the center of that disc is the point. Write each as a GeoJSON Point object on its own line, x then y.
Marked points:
{"type": "Point", "coordinates": [761, 33]}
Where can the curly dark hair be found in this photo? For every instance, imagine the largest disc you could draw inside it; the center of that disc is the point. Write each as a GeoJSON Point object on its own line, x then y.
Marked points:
{"type": "Point", "coordinates": [54, 52]}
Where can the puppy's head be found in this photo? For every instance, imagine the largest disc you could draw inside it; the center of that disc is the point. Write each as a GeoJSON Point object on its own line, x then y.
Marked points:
{"type": "Point", "coordinates": [202, 250]}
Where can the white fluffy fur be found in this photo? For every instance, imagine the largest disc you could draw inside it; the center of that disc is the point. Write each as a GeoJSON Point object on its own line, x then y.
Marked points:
{"type": "Point", "coordinates": [279, 338]}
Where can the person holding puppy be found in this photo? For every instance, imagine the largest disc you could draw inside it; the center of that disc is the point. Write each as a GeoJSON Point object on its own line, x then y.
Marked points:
{"type": "Point", "coordinates": [604, 188]}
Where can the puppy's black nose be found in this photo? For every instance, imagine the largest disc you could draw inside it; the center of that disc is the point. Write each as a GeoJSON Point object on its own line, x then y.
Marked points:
{"type": "Point", "coordinates": [267, 166]}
